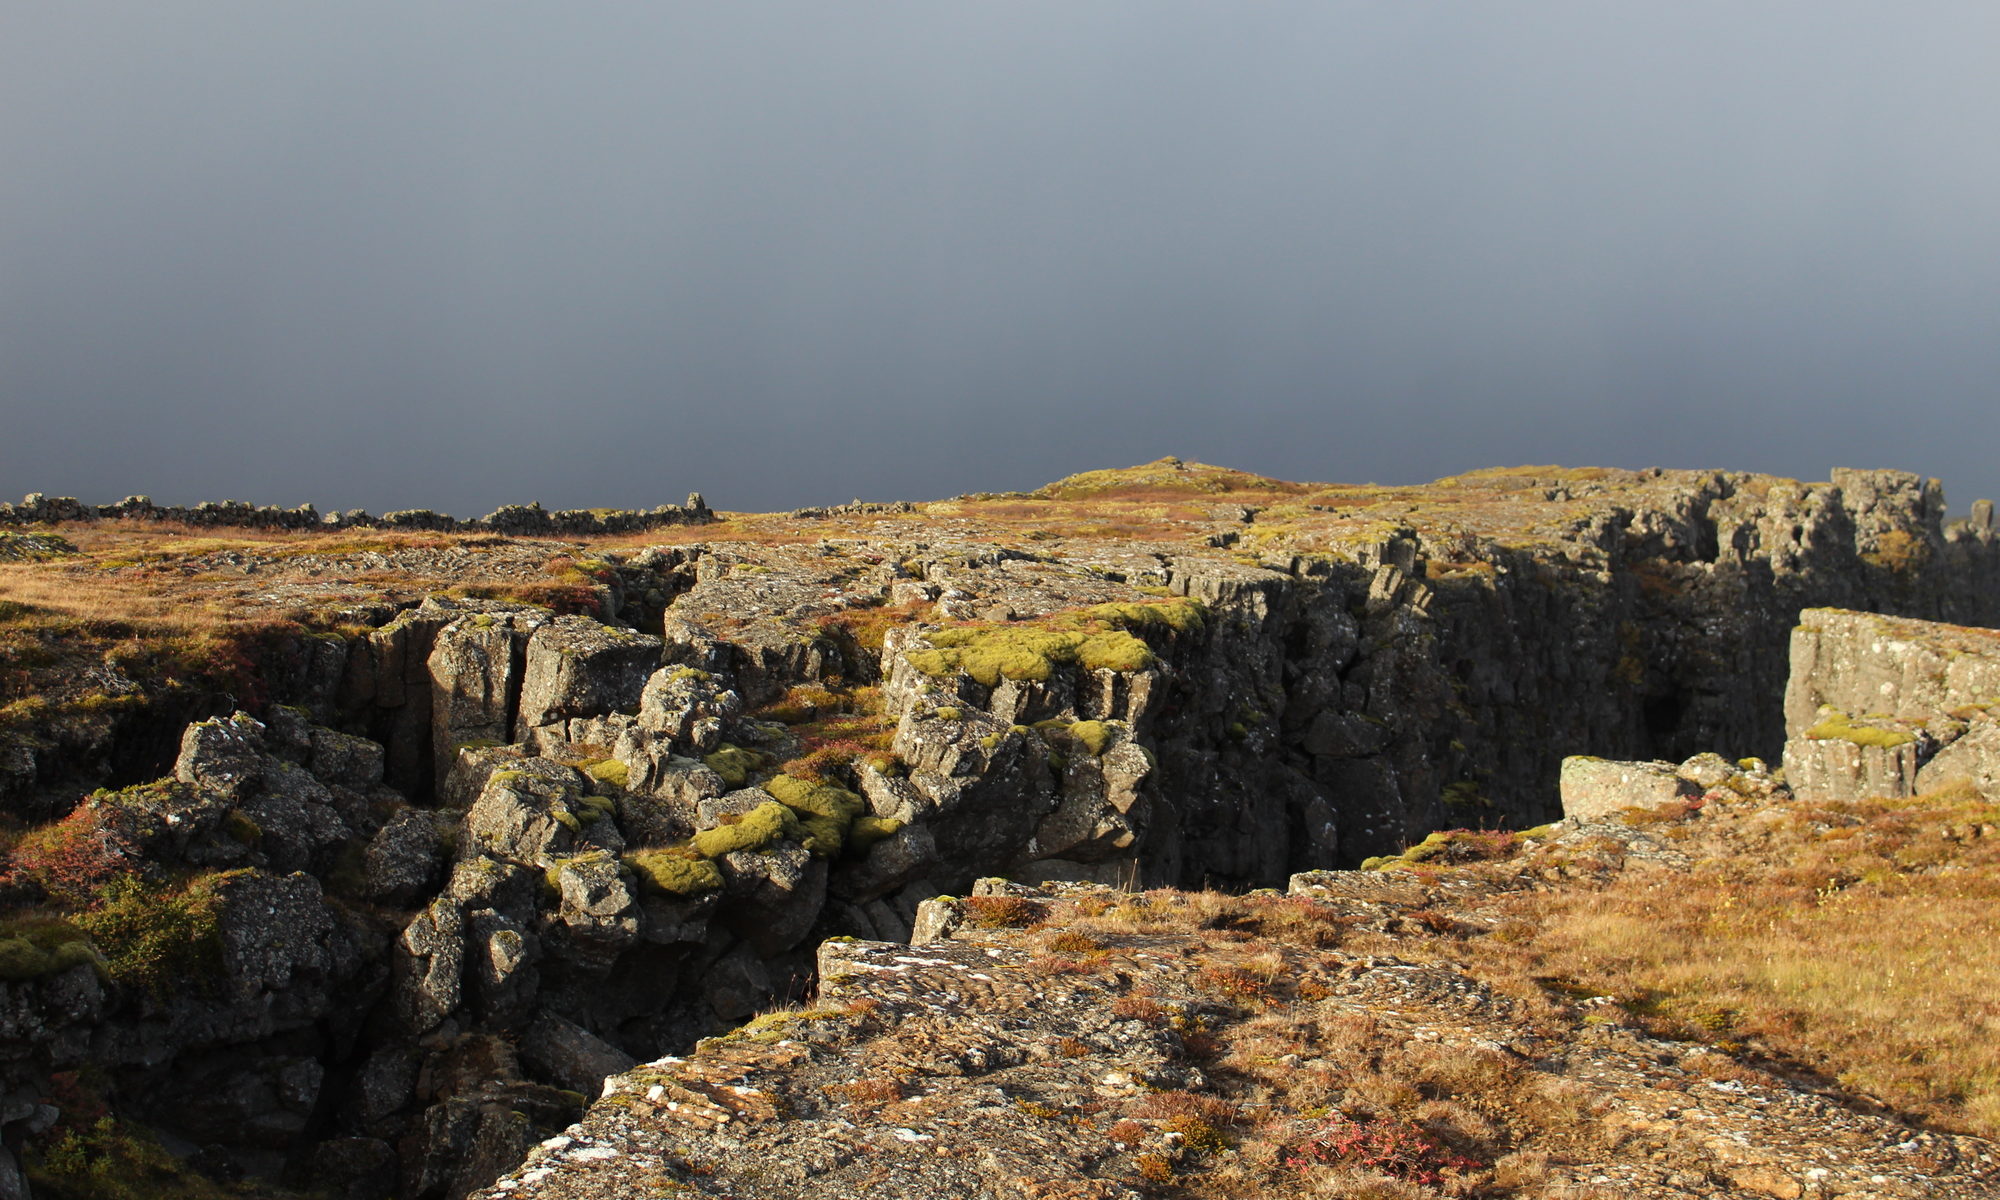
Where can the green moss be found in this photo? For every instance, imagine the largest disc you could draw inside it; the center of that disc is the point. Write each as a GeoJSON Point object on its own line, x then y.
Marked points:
{"type": "Point", "coordinates": [674, 871]}
{"type": "Point", "coordinates": [31, 947]}
{"type": "Point", "coordinates": [1115, 651]}
{"type": "Point", "coordinates": [990, 742]}
{"type": "Point", "coordinates": [1464, 794]}
{"type": "Point", "coordinates": [754, 830]}
{"type": "Point", "coordinates": [242, 828]}
{"type": "Point", "coordinates": [1095, 735]}
{"type": "Point", "coordinates": [157, 937]}
{"type": "Point", "coordinates": [866, 831]}
{"type": "Point", "coordinates": [597, 808]}
{"type": "Point", "coordinates": [116, 1160]}
{"type": "Point", "coordinates": [1837, 726]}
{"type": "Point", "coordinates": [825, 812]}
{"type": "Point", "coordinates": [735, 764]}
{"type": "Point", "coordinates": [1181, 616]}
{"type": "Point", "coordinates": [949, 713]}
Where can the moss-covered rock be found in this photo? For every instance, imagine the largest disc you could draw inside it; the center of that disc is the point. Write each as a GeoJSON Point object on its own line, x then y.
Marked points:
{"type": "Point", "coordinates": [753, 830]}
{"type": "Point", "coordinates": [675, 871]}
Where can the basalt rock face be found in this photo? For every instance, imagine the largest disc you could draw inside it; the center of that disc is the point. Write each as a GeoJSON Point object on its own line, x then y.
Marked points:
{"type": "Point", "coordinates": [1878, 706]}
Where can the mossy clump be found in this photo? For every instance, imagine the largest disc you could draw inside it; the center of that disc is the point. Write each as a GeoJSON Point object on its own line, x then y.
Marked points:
{"type": "Point", "coordinates": [156, 937]}
{"type": "Point", "coordinates": [754, 830]}
{"type": "Point", "coordinates": [610, 771]}
{"type": "Point", "coordinates": [1095, 735]}
{"type": "Point", "coordinates": [242, 827]}
{"type": "Point", "coordinates": [825, 811]}
{"type": "Point", "coordinates": [735, 764]}
{"type": "Point", "coordinates": [1097, 639]}
{"type": "Point", "coordinates": [115, 1160]}
{"type": "Point", "coordinates": [1835, 725]}
{"type": "Point", "coordinates": [32, 947]}
{"type": "Point", "coordinates": [949, 713]}
{"type": "Point", "coordinates": [866, 831]}
{"type": "Point", "coordinates": [674, 871]}
{"type": "Point", "coordinates": [1181, 616]}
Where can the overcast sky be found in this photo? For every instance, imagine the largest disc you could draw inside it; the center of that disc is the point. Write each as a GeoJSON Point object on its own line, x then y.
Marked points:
{"type": "Point", "coordinates": [458, 254]}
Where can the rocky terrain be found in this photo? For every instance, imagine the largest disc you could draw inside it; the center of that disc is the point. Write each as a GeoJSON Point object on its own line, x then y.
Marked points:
{"type": "Point", "coordinates": [409, 837]}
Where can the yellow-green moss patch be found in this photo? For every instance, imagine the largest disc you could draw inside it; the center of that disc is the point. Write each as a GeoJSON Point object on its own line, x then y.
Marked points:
{"type": "Point", "coordinates": [1838, 726]}
{"type": "Point", "coordinates": [1095, 735]}
{"type": "Point", "coordinates": [735, 764]}
{"type": "Point", "coordinates": [754, 830]}
{"type": "Point", "coordinates": [824, 811]}
{"type": "Point", "coordinates": [675, 871]}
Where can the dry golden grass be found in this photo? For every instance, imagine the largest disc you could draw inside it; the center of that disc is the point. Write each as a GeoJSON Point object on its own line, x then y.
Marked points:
{"type": "Point", "coordinates": [1859, 941]}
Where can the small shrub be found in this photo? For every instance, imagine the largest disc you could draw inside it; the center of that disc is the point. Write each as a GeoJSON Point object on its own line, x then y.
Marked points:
{"type": "Point", "coordinates": [1155, 1168]}
{"type": "Point", "coordinates": [1134, 1006]}
{"type": "Point", "coordinates": [157, 937]}
{"type": "Point", "coordinates": [1233, 982]}
{"type": "Point", "coordinates": [76, 856]}
{"type": "Point", "coordinates": [1002, 912]}
{"type": "Point", "coordinates": [113, 1160]}
{"type": "Point", "coordinates": [1071, 942]}
{"type": "Point", "coordinates": [1393, 1147]}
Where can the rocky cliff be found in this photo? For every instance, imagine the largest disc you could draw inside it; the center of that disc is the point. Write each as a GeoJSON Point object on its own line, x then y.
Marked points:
{"type": "Point", "coordinates": [471, 855]}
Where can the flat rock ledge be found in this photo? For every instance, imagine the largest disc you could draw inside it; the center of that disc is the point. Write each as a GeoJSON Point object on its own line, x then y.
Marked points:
{"type": "Point", "coordinates": [973, 1066]}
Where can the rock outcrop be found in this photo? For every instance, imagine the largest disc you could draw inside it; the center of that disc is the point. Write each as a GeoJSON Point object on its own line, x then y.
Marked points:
{"type": "Point", "coordinates": [1880, 706]}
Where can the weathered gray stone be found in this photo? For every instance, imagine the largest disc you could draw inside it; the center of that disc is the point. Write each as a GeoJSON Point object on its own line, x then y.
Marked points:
{"type": "Point", "coordinates": [1596, 788]}
{"type": "Point", "coordinates": [1869, 665]}
{"type": "Point", "coordinates": [570, 1056]}
{"type": "Point", "coordinates": [477, 666]}
{"type": "Point", "coordinates": [405, 859]}
{"type": "Point", "coordinates": [937, 919]}
{"type": "Point", "coordinates": [772, 896]}
{"type": "Point", "coordinates": [535, 812]}
{"type": "Point", "coordinates": [577, 667]}
{"type": "Point", "coordinates": [1972, 759]}
{"type": "Point", "coordinates": [430, 967]}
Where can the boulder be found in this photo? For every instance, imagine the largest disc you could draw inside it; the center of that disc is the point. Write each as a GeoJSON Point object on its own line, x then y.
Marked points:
{"type": "Point", "coordinates": [405, 859]}
{"type": "Point", "coordinates": [569, 1056]}
{"type": "Point", "coordinates": [1972, 759]}
{"type": "Point", "coordinates": [690, 707]}
{"type": "Point", "coordinates": [597, 907]}
{"type": "Point", "coordinates": [534, 812]}
{"type": "Point", "coordinates": [577, 667]}
{"type": "Point", "coordinates": [1596, 788]}
{"type": "Point", "coordinates": [772, 896]}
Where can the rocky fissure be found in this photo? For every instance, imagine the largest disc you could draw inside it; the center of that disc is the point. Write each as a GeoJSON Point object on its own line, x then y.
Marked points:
{"type": "Point", "coordinates": [478, 856]}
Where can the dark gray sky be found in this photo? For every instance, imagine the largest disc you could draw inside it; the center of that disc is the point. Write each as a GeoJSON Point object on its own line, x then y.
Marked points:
{"type": "Point", "coordinates": [457, 254]}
